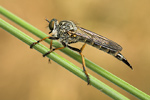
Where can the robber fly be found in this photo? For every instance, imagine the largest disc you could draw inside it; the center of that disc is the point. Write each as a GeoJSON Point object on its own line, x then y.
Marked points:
{"type": "Point", "coordinates": [68, 32]}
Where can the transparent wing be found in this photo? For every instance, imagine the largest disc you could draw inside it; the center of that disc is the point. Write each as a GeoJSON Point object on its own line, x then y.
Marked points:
{"type": "Point", "coordinates": [98, 39]}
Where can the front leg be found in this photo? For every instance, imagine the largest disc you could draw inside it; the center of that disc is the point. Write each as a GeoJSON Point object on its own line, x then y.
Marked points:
{"type": "Point", "coordinates": [52, 38]}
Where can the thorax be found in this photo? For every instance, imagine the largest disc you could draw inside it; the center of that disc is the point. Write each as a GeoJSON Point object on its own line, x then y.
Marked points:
{"type": "Point", "coordinates": [67, 32]}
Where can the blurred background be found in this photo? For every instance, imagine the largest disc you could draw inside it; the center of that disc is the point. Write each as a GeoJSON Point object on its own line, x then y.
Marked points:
{"type": "Point", "coordinates": [26, 75]}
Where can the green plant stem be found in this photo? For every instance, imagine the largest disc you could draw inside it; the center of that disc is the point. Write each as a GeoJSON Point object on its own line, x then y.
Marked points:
{"type": "Point", "coordinates": [114, 79]}
{"type": "Point", "coordinates": [63, 62]}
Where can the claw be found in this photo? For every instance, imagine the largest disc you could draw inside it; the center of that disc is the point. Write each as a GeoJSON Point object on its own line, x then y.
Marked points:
{"type": "Point", "coordinates": [32, 45]}
{"type": "Point", "coordinates": [88, 80]}
{"type": "Point", "coordinates": [46, 54]}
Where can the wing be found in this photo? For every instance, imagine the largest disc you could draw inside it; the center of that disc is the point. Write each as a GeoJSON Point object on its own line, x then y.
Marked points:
{"type": "Point", "coordinates": [99, 40]}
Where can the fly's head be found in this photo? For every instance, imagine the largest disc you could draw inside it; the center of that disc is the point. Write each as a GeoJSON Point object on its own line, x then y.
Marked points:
{"type": "Point", "coordinates": [53, 26]}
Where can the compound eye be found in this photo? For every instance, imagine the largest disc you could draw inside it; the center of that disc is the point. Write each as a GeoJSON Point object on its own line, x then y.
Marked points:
{"type": "Point", "coordinates": [51, 25]}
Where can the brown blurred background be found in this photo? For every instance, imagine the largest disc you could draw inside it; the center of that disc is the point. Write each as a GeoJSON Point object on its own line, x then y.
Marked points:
{"type": "Point", "coordinates": [26, 75]}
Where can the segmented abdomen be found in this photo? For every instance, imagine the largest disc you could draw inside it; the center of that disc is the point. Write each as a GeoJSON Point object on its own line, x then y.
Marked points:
{"type": "Point", "coordinates": [103, 45]}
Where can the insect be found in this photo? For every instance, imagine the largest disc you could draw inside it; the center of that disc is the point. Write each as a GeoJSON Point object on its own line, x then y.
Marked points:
{"type": "Point", "coordinates": [67, 33]}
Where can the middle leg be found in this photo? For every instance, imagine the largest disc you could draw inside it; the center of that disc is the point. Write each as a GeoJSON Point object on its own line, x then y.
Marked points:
{"type": "Point", "coordinates": [49, 60]}
{"type": "Point", "coordinates": [51, 50]}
